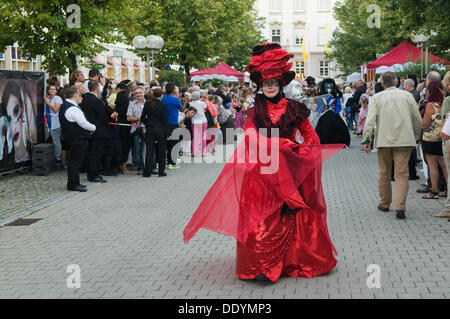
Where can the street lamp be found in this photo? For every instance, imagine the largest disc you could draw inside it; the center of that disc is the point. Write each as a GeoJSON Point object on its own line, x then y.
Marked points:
{"type": "Point", "coordinates": [420, 39]}
{"type": "Point", "coordinates": [150, 45]}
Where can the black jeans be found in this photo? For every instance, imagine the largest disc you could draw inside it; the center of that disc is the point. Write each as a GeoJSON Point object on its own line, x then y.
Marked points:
{"type": "Point", "coordinates": [126, 140]}
{"type": "Point", "coordinates": [94, 154]}
{"type": "Point", "coordinates": [229, 124]}
{"type": "Point", "coordinates": [170, 145]}
{"type": "Point", "coordinates": [153, 136]}
{"type": "Point", "coordinates": [77, 150]}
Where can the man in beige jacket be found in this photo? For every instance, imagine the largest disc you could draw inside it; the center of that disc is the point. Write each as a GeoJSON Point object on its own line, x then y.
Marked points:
{"type": "Point", "coordinates": [398, 124]}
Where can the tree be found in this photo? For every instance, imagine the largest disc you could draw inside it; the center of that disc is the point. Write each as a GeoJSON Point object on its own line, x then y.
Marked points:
{"type": "Point", "coordinates": [239, 52]}
{"type": "Point", "coordinates": [176, 77]}
{"type": "Point", "coordinates": [49, 28]}
{"type": "Point", "coordinates": [194, 31]}
{"type": "Point", "coordinates": [355, 42]}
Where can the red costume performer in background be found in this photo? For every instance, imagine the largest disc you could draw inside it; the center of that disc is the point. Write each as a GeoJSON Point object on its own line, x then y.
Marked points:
{"type": "Point", "coordinates": [278, 218]}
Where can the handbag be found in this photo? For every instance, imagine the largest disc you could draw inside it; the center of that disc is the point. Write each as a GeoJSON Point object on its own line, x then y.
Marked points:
{"type": "Point", "coordinates": [223, 115]}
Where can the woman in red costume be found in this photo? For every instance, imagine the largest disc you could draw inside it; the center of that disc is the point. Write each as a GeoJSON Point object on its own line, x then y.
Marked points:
{"type": "Point", "coordinates": [278, 216]}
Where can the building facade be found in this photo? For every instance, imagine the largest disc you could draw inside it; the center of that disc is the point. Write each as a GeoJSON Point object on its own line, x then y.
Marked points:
{"type": "Point", "coordinates": [117, 63]}
{"type": "Point", "coordinates": [13, 59]}
{"type": "Point", "coordinates": [303, 28]}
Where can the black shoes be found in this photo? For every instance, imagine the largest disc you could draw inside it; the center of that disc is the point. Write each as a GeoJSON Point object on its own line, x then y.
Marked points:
{"type": "Point", "coordinates": [261, 277]}
{"type": "Point", "coordinates": [77, 188]}
{"type": "Point", "coordinates": [423, 190]}
{"type": "Point", "coordinates": [98, 180]}
{"type": "Point", "coordinates": [162, 174]}
{"type": "Point", "coordinates": [400, 214]}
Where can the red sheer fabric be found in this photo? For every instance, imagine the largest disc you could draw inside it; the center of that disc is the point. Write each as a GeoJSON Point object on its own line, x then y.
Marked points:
{"type": "Point", "coordinates": [245, 202]}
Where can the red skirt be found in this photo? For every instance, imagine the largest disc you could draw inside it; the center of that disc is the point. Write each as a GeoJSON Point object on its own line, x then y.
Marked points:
{"type": "Point", "coordinates": [290, 245]}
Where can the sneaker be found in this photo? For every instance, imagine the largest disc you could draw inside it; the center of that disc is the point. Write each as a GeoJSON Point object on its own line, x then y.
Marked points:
{"type": "Point", "coordinates": [173, 167]}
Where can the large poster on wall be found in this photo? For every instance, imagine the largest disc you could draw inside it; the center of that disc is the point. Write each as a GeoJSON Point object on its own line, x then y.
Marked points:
{"type": "Point", "coordinates": [21, 117]}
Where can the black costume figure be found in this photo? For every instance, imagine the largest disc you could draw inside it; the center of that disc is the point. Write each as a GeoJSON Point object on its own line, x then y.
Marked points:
{"type": "Point", "coordinates": [330, 128]}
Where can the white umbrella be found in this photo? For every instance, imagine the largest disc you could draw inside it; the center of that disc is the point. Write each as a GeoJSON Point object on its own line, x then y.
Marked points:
{"type": "Point", "coordinates": [355, 76]}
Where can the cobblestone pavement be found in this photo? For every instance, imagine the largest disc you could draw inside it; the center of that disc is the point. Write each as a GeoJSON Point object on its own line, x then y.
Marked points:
{"type": "Point", "coordinates": [126, 237]}
{"type": "Point", "coordinates": [22, 192]}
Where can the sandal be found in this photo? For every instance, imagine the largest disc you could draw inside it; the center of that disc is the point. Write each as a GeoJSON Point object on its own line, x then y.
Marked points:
{"type": "Point", "coordinates": [431, 195]}
{"type": "Point", "coordinates": [443, 194]}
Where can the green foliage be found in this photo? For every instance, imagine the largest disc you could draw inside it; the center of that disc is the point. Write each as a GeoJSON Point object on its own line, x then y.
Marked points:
{"type": "Point", "coordinates": [354, 43]}
{"type": "Point", "coordinates": [214, 82]}
{"type": "Point", "coordinates": [239, 51]}
{"type": "Point", "coordinates": [415, 69]}
{"type": "Point", "coordinates": [194, 31]}
{"type": "Point", "coordinates": [40, 28]}
{"type": "Point", "coordinates": [176, 77]}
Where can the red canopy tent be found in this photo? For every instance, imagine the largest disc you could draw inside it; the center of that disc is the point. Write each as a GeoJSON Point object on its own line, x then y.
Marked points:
{"type": "Point", "coordinates": [401, 54]}
{"type": "Point", "coordinates": [221, 71]}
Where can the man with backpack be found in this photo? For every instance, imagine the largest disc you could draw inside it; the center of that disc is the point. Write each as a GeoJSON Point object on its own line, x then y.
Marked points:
{"type": "Point", "coordinates": [226, 121]}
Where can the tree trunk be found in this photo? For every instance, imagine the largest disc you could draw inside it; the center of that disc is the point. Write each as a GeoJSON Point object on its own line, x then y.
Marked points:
{"type": "Point", "coordinates": [73, 63]}
{"type": "Point", "coordinates": [187, 69]}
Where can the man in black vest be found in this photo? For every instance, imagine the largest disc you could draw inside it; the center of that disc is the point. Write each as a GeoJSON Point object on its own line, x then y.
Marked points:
{"type": "Point", "coordinates": [95, 113]}
{"type": "Point", "coordinates": [76, 131]}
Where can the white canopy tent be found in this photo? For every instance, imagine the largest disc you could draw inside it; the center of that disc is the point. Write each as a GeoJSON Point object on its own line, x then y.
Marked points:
{"type": "Point", "coordinates": [354, 77]}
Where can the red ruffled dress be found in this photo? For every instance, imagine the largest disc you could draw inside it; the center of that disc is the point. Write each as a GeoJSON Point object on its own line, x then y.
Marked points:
{"type": "Point", "coordinates": [247, 202]}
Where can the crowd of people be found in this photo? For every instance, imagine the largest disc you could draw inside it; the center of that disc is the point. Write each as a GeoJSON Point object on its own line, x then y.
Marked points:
{"type": "Point", "coordinates": [406, 118]}
{"type": "Point", "coordinates": [134, 123]}
{"type": "Point", "coordinates": [106, 129]}
{"type": "Point", "coordinates": [391, 114]}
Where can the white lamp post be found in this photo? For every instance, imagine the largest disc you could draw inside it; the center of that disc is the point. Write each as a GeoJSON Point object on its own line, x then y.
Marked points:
{"type": "Point", "coordinates": [420, 39]}
{"type": "Point", "coordinates": [149, 44]}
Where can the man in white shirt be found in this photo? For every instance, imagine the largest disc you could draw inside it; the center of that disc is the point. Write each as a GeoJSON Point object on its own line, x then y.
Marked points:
{"type": "Point", "coordinates": [76, 131]}
{"type": "Point", "coordinates": [134, 115]}
{"type": "Point", "coordinates": [95, 75]}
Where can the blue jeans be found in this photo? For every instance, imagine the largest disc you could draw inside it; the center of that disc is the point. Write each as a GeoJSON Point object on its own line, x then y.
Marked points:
{"type": "Point", "coordinates": [138, 145]}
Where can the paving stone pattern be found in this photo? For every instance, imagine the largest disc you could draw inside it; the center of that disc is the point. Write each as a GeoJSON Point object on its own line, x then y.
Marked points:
{"type": "Point", "coordinates": [21, 192]}
{"type": "Point", "coordinates": [126, 237]}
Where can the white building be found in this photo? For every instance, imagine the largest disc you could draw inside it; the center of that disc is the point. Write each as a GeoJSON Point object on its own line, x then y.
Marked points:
{"type": "Point", "coordinates": [290, 21]}
{"type": "Point", "coordinates": [117, 63]}
{"type": "Point", "coordinates": [13, 59]}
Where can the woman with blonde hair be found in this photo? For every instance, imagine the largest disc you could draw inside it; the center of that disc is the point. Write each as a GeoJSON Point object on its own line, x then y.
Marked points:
{"type": "Point", "coordinates": [76, 76]}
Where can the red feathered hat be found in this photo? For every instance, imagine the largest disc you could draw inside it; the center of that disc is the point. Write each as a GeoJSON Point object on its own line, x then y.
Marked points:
{"type": "Point", "coordinates": [270, 61]}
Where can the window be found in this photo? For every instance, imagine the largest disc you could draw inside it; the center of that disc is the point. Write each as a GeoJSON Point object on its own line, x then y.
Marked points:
{"type": "Point", "coordinates": [299, 36]}
{"type": "Point", "coordinates": [275, 5]}
{"type": "Point", "coordinates": [276, 36]}
{"type": "Point", "coordinates": [300, 67]}
{"type": "Point", "coordinates": [2, 56]}
{"type": "Point", "coordinates": [324, 68]}
{"type": "Point", "coordinates": [16, 55]}
{"type": "Point", "coordinates": [300, 5]}
{"type": "Point", "coordinates": [324, 5]}
{"type": "Point", "coordinates": [124, 69]}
